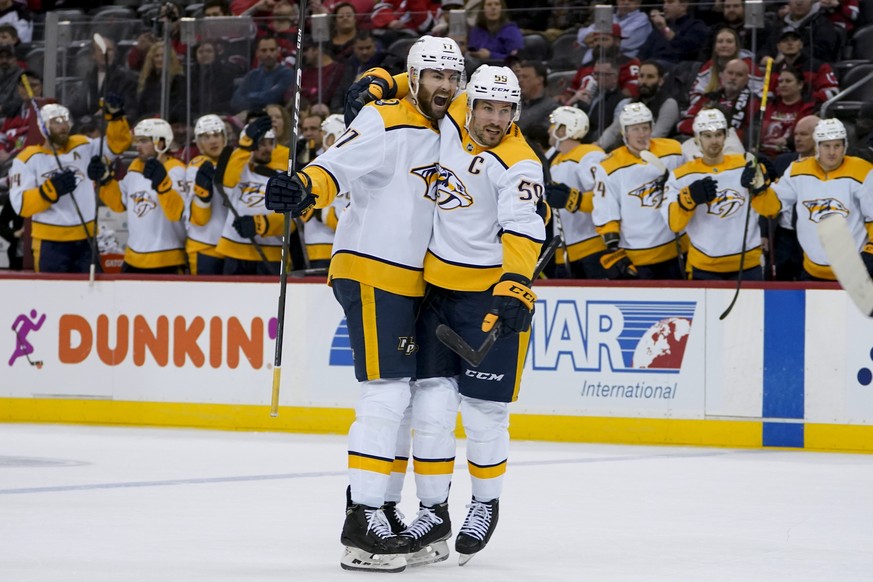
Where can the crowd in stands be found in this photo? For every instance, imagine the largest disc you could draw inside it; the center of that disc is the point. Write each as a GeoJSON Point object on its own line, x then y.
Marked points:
{"type": "Point", "coordinates": [677, 57]}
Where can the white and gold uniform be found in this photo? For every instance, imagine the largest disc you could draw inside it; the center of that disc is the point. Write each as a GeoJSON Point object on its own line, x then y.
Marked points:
{"type": "Point", "coordinates": [715, 229]}
{"type": "Point", "coordinates": [320, 229]}
{"type": "Point", "coordinates": [576, 169]}
{"type": "Point", "coordinates": [157, 233]}
{"type": "Point", "coordinates": [627, 201]}
{"type": "Point", "coordinates": [59, 221]}
{"type": "Point", "coordinates": [811, 193]}
{"type": "Point", "coordinates": [205, 220]}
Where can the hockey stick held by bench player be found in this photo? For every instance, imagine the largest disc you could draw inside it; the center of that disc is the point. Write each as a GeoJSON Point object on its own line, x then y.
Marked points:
{"type": "Point", "coordinates": [474, 356]}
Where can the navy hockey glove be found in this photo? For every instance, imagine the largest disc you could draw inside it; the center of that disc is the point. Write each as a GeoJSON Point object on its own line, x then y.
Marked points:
{"type": "Point", "coordinates": [155, 172]}
{"type": "Point", "coordinates": [249, 226]}
{"type": "Point", "coordinates": [615, 261]}
{"type": "Point", "coordinates": [99, 171]}
{"type": "Point", "coordinates": [512, 305]}
{"type": "Point", "coordinates": [58, 185]}
{"type": "Point", "coordinates": [373, 85]}
{"type": "Point", "coordinates": [755, 177]}
{"type": "Point", "coordinates": [254, 132]}
{"type": "Point", "coordinates": [286, 193]}
{"type": "Point", "coordinates": [563, 197]}
{"type": "Point", "coordinates": [113, 106]}
{"type": "Point", "coordinates": [700, 191]}
{"type": "Point", "coordinates": [203, 180]}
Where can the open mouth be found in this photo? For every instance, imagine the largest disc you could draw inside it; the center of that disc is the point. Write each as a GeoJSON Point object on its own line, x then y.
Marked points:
{"type": "Point", "coordinates": [440, 101]}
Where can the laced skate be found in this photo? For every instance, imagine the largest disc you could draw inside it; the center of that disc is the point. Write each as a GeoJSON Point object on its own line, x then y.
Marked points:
{"type": "Point", "coordinates": [369, 542]}
{"type": "Point", "coordinates": [477, 529]}
{"type": "Point", "coordinates": [427, 535]}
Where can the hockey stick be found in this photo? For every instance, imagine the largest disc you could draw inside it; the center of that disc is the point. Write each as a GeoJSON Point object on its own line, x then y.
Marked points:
{"type": "Point", "coordinates": [101, 44]}
{"type": "Point", "coordinates": [218, 183]}
{"type": "Point", "coordinates": [92, 241]}
{"type": "Point", "coordinates": [474, 356]}
{"type": "Point", "coordinates": [650, 158]}
{"type": "Point", "coordinates": [842, 253]}
{"type": "Point", "coordinates": [750, 156]}
{"type": "Point", "coordinates": [286, 230]}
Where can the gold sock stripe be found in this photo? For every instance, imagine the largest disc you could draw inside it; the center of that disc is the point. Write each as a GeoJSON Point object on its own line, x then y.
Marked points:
{"type": "Point", "coordinates": [433, 466]}
{"type": "Point", "coordinates": [486, 471]}
{"type": "Point", "coordinates": [370, 463]}
{"type": "Point", "coordinates": [371, 332]}
{"type": "Point", "coordinates": [400, 465]}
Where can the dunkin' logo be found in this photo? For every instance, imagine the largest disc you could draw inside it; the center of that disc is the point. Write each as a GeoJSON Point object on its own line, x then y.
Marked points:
{"type": "Point", "coordinates": [181, 341]}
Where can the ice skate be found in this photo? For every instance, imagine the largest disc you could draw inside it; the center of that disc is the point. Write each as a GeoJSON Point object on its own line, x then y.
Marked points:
{"type": "Point", "coordinates": [370, 543]}
{"type": "Point", "coordinates": [477, 529]}
{"type": "Point", "coordinates": [395, 517]}
{"type": "Point", "coordinates": [427, 535]}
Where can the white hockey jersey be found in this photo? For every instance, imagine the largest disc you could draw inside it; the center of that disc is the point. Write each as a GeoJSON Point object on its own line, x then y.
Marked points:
{"type": "Point", "coordinates": [486, 221]}
{"type": "Point", "coordinates": [205, 221]}
{"type": "Point", "coordinates": [381, 160]}
{"type": "Point", "coordinates": [715, 230]}
{"type": "Point", "coordinates": [247, 198]}
{"type": "Point", "coordinates": [812, 194]}
{"type": "Point", "coordinates": [576, 169]}
{"type": "Point", "coordinates": [34, 165]}
{"type": "Point", "coordinates": [627, 200]}
{"type": "Point", "coordinates": [320, 229]}
{"type": "Point", "coordinates": [156, 231]}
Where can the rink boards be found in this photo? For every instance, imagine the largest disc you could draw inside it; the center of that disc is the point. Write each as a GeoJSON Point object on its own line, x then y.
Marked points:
{"type": "Point", "coordinates": [789, 367]}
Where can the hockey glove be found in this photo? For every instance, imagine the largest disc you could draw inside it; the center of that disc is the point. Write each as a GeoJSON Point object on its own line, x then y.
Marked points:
{"type": "Point", "coordinates": [254, 132]}
{"type": "Point", "coordinates": [755, 177]}
{"type": "Point", "coordinates": [615, 261]}
{"type": "Point", "coordinates": [563, 197]}
{"type": "Point", "coordinates": [512, 306]}
{"type": "Point", "coordinates": [113, 106]}
{"type": "Point", "coordinates": [375, 84]}
{"type": "Point", "coordinates": [99, 171]}
{"type": "Point", "coordinates": [155, 172]}
{"type": "Point", "coordinates": [203, 182]}
{"type": "Point", "coordinates": [292, 194]}
{"type": "Point", "coordinates": [249, 226]}
{"type": "Point", "coordinates": [700, 191]}
{"type": "Point", "coordinates": [58, 185]}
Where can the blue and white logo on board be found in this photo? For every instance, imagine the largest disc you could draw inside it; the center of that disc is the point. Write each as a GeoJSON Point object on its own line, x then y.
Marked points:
{"type": "Point", "coordinates": [341, 347]}
{"type": "Point", "coordinates": [611, 336]}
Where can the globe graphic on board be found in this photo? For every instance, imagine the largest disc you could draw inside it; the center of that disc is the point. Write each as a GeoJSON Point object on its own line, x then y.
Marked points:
{"type": "Point", "coordinates": [663, 344]}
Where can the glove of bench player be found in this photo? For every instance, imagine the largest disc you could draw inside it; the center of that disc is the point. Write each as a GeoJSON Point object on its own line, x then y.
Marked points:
{"type": "Point", "coordinates": [58, 185]}
{"type": "Point", "coordinates": [155, 172]}
{"type": "Point", "coordinates": [113, 106]}
{"type": "Point", "coordinates": [615, 261]}
{"type": "Point", "coordinates": [292, 194]}
{"type": "Point", "coordinates": [700, 191]}
{"type": "Point", "coordinates": [373, 85]}
{"type": "Point", "coordinates": [249, 226]}
{"type": "Point", "coordinates": [755, 177]}
{"type": "Point", "coordinates": [254, 132]}
{"type": "Point", "coordinates": [512, 306]}
{"type": "Point", "coordinates": [562, 196]}
{"type": "Point", "coordinates": [203, 180]}
{"type": "Point", "coordinates": [99, 171]}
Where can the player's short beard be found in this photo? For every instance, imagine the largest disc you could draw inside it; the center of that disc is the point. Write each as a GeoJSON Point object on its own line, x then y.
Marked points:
{"type": "Point", "coordinates": [60, 141]}
{"type": "Point", "coordinates": [425, 103]}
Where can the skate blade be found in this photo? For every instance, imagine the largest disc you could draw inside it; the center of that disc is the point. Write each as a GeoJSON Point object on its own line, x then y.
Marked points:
{"type": "Point", "coordinates": [464, 558]}
{"type": "Point", "coordinates": [357, 559]}
{"type": "Point", "coordinates": [430, 554]}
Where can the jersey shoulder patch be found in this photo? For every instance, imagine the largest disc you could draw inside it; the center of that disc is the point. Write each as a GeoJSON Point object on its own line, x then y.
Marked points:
{"type": "Point", "coordinates": [695, 166]}
{"type": "Point", "coordinates": [172, 163]}
{"type": "Point", "coordinates": [662, 146]}
{"type": "Point", "coordinates": [856, 168]}
{"type": "Point", "coordinates": [578, 152]}
{"type": "Point", "coordinates": [618, 159]}
{"type": "Point", "coordinates": [28, 152]}
{"type": "Point", "coordinates": [398, 113]}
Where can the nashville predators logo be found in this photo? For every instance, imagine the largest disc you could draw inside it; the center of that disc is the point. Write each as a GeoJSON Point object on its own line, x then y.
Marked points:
{"type": "Point", "coordinates": [444, 187]}
{"type": "Point", "coordinates": [80, 177]}
{"type": "Point", "coordinates": [727, 203]}
{"type": "Point", "coordinates": [251, 194]}
{"type": "Point", "coordinates": [822, 207]}
{"type": "Point", "coordinates": [143, 203]}
{"type": "Point", "coordinates": [651, 194]}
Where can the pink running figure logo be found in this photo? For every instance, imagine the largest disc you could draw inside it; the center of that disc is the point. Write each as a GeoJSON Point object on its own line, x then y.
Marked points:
{"type": "Point", "coordinates": [22, 326]}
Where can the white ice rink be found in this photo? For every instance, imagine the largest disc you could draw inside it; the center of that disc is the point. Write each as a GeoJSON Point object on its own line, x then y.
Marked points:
{"type": "Point", "coordinates": [98, 504]}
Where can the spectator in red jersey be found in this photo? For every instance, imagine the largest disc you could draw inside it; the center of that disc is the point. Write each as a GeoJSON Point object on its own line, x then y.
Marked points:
{"type": "Point", "coordinates": [391, 16]}
{"type": "Point", "coordinates": [842, 13]}
{"type": "Point", "coordinates": [819, 79]}
{"type": "Point", "coordinates": [318, 64]}
{"type": "Point", "coordinates": [732, 99]}
{"type": "Point", "coordinates": [783, 113]}
{"type": "Point", "coordinates": [726, 48]}
{"type": "Point", "coordinates": [282, 26]}
{"type": "Point", "coordinates": [16, 128]}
